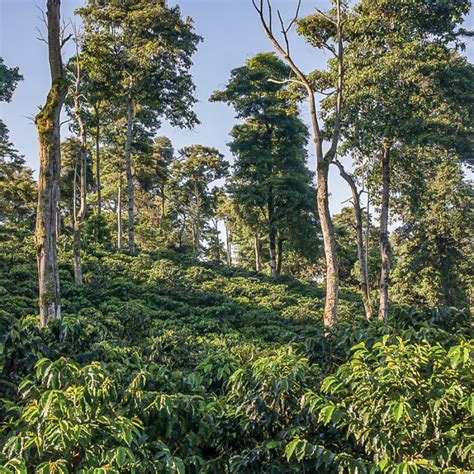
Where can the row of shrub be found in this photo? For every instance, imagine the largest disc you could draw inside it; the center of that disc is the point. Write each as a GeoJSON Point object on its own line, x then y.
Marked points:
{"type": "Point", "coordinates": [162, 364]}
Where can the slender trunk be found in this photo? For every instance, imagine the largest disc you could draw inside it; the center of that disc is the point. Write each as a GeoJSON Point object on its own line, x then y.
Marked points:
{"type": "Point", "coordinates": [197, 222]}
{"type": "Point", "coordinates": [97, 165]}
{"type": "Point", "coordinates": [196, 239]}
{"type": "Point", "coordinates": [79, 215]}
{"type": "Point", "coordinates": [364, 276]}
{"type": "Point", "coordinates": [130, 190]}
{"type": "Point", "coordinates": [228, 244]}
{"type": "Point", "coordinates": [119, 212]}
{"type": "Point", "coordinates": [48, 126]}
{"type": "Point", "coordinates": [258, 254]}
{"type": "Point", "coordinates": [272, 234]}
{"type": "Point", "coordinates": [272, 243]}
{"type": "Point", "coordinates": [218, 243]}
{"type": "Point", "coordinates": [383, 238]}
{"type": "Point", "coordinates": [163, 211]}
{"type": "Point", "coordinates": [279, 255]}
{"type": "Point", "coordinates": [329, 241]}
{"type": "Point", "coordinates": [367, 244]}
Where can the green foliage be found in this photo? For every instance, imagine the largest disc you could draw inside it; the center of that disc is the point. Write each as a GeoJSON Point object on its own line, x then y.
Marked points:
{"type": "Point", "coordinates": [160, 363]}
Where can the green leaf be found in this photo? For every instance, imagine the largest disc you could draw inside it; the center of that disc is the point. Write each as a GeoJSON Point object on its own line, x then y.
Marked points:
{"type": "Point", "coordinates": [397, 410]}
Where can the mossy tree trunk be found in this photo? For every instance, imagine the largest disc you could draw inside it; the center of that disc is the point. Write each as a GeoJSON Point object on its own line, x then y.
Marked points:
{"type": "Point", "coordinates": [48, 125]}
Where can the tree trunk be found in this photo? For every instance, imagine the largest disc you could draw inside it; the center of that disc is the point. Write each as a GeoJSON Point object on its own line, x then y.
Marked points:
{"type": "Point", "coordinates": [79, 216]}
{"type": "Point", "coordinates": [218, 243]}
{"type": "Point", "coordinates": [327, 228]}
{"type": "Point", "coordinates": [130, 190]}
{"type": "Point", "coordinates": [272, 233]}
{"type": "Point", "coordinates": [48, 126]}
{"type": "Point", "coordinates": [323, 161]}
{"type": "Point", "coordinates": [279, 255]}
{"type": "Point", "coordinates": [97, 165]}
{"type": "Point", "coordinates": [367, 244]}
{"type": "Point", "coordinates": [329, 241]}
{"type": "Point", "coordinates": [383, 238]}
{"type": "Point", "coordinates": [163, 210]}
{"type": "Point", "coordinates": [119, 212]}
{"type": "Point", "coordinates": [258, 254]}
{"type": "Point", "coordinates": [228, 243]}
{"type": "Point", "coordinates": [272, 243]}
{"type": "Point", "coordinates": [364, 276]}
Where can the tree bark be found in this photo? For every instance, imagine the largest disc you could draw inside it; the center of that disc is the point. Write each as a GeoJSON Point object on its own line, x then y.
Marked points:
{"type": "Point", "coordinates": [258, 254]}
{"type": "Point", "coordinates": [272, 234]}
{"type": "Point", "coordinates": [130, 189]}
{"type": "Point", "coordinates": [329, 241]}
{"type": "Point", "coordinates": [279, 255]}
{"type": "Point", "coordinates": [79, 216]}
{"type": "Point", "coordinates": [228, 243]}
{"type": "Point", "coordinates": [364, 275]}
{"type": "Point", "coordinates": [119, 212]}
{"type": "Point", "coordinates": [384, 241]}
{"type": "Point", "coordinates": [97, 163]}
{"type": "Point", "coordinates": [48, 125]}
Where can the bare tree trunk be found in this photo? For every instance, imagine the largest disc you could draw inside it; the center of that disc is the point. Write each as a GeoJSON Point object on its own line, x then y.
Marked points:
{"type": "Point", "coordinates": [384, 241]}
{"type": "Point", "coordinates": [48, 126]}
{"type": "Point", "coordinates": [97, 164]}
{"type": "Point", "coordinates": [79, 216]}
{"type": "Point", "coordinates": [279, 255]}
{"type": "Point", "coordinates": [228, 243]}
{"type": "Point", "coordinates": [119, 213]}
{"type": "Point", "coordinates": [364, 276]}
{"type": "Point", "coordinates": [329, 241]}
{"type": "Point", "coordinates": [163, 210]}
{"type": "Point", "coordinates": [130, 189]}
{"type": "Point", "coordinates": [272, 234]}
{"type": "Point", "coordinates": [218, 242]}
{"type": "Point", "coordinates": [367, 244]}
{"type": "Point", "coordinates": [258, 253]}
{"type": "Point", "coordinates": [272, 244]}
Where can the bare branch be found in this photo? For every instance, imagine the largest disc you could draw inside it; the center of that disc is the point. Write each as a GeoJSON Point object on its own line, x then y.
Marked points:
{"type": "Point", "coordinates": [326, 16]}
{"type": "Point", "coordinates": [286, 81]}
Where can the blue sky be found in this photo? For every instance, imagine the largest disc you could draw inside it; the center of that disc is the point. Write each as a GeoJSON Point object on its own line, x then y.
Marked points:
{"type": "Point", "coordinates": [231, 34]}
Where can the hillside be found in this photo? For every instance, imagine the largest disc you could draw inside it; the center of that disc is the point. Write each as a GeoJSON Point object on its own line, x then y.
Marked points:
{"type": "Point", "coordinates": [164, 364]}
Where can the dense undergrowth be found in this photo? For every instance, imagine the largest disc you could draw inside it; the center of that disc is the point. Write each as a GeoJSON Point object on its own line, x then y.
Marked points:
{"type": "Point", "coordinates": [162, 364]}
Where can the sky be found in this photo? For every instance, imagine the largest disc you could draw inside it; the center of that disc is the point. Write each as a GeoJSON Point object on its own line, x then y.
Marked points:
{"type": "Point", "coordinates": [232, 34]}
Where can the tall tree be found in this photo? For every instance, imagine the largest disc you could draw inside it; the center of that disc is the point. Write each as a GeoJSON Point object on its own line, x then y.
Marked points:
{"type": "Point", "coordinates": [324, 31]}
{"type": "Point", "coordinates": [48, 126]}
{"type": "Point", "coordinates": [148, 47]}
{"type": "Point", "coordinates": [270, 181]}
{"type": "Point", "coordinates": [433, 249]}
{"type": "Point", "coordinates": [17, 188]}
{"type": "Point", "coordinates": [77, 95]}
{"type": "Point", "coordinates": [397, 60]}
{"type": "Point", "coordinates": [192, 174]}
